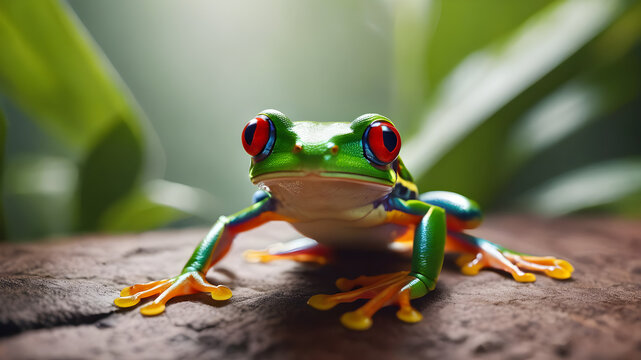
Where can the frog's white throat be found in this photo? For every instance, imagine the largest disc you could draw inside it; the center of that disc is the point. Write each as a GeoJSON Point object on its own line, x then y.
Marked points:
{"type": "Point", "coordinates": [323, 195]}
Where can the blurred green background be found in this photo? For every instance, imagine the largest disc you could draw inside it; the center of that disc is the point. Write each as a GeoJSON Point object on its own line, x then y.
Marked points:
{"type": "Point", "coordinates": [126, 115]}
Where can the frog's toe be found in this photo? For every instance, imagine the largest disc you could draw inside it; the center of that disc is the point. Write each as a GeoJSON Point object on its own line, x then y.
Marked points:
{"type": "Point", "coordinates": [345, 284]}
{"type": "Point", "coordinates": [356, 320]}
{"type": "Point", "coordinates": [126, 301]}
{"type": "Point", "coordinates": [558, 273]}
{"type": "Point", "coordinates": [564, 264]}
{"type": "Point", "coordinates": [383, 290]}
{"type": "Point", "coordinates": [410, 315]}
{"type": "Point", "coordinates": [470, 264]}
{"type": "Point", "coordinates": [221, 293]}
{"type": "Point", "coordinates": [322, 302]}
{"type": "Point", "coordinates": [406, 312]}
{"type": "Point", "coordinates": [152, 309]}
{"type": "Point", "coordinates": [523, 277]}
{"type": "Point", "coordinates": [198, 283]}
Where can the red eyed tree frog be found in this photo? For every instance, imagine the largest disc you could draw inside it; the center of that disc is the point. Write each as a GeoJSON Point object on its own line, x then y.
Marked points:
{"type": "Point", "coordinates": [344, 185]}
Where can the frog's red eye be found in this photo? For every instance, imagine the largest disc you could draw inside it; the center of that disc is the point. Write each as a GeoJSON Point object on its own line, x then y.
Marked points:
{"type": "Point", "coordinates": [381, 143]}
{"type": "Point", "coordinates": [259, 136]}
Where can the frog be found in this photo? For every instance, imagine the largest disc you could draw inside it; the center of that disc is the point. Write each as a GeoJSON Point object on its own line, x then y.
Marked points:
{"type": "Point", "coordinates": [343, 185]}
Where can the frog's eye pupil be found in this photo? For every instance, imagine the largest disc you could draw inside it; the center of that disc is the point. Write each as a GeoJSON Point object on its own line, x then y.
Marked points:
{"type": "Point", "coordinates": [258, 137]}
{"type": "Point", "coordinates": [381, 143]}
{"type": "Point", "coordinates": [389, 139]}
{"type": "Point", "coordinates": [249, 132]}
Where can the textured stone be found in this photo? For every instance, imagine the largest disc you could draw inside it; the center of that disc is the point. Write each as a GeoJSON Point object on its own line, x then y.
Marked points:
{"type": "Point", "coordinates": [56, 300]}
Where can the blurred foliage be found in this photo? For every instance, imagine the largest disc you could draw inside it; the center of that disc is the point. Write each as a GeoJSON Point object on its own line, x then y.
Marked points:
{"type": "Point", "coordinates": [510, 101]}
{"type": "Point", "coordinates": [533, 105]}
{"type": "Point", "coordinates": [52, 71]}
{"type": "Point", "coordinates": [58, 76]}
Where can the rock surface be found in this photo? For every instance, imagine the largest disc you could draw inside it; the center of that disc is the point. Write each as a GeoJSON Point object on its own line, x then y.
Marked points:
{"type": "Point", "coordinates": [56, 300]}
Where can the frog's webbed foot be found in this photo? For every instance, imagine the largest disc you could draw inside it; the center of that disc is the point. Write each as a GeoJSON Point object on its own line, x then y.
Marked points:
{"type": "Point", "coordinates": [488, 255]}
{"type": "Point", "coordinates": [185, 284]}
{"type": "Point", "coordinates": [382, 290]}
{"type": "Point", "coordinates": [301, 250]}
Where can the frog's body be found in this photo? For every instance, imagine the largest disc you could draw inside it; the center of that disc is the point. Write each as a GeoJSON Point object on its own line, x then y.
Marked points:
{"type": "Point", "coordinates": [344, 186]}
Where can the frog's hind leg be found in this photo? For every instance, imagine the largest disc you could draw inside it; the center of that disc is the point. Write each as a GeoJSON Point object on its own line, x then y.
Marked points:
{"type": "Point", "coordinates": [479, 253]}
{"type": "Point", "coordinates": [301, 250]}
{"type": "Point", "coordinates": [463, 213]}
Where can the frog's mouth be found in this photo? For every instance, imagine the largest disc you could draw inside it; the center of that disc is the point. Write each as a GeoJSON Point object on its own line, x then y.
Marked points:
{"type": "Point", "coordinates": [320, 176]}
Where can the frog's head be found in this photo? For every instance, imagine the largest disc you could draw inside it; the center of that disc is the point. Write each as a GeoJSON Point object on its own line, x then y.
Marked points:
{"type": "Point", "coordinates": [362, 152]}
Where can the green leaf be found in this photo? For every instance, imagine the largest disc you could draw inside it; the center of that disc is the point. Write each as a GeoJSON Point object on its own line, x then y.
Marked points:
{"type": "Point", "coordinates": [108, 173]}
{"type": "Point", "coordinates": [433, 37]}
{"type": "Point", "coordinates": [60, 78]}
{"type": "Point", "coordinates": [462, 143]}
{"type": "Point", "coordinates": [52, 70]}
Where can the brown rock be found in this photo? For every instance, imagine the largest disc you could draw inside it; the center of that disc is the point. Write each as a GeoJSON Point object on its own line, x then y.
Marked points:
{"type": "Point", "coordinates": [56, 300]}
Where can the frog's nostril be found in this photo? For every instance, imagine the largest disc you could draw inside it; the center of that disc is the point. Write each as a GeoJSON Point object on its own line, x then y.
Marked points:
{"type": "Point", "coordinates": [297, 148]}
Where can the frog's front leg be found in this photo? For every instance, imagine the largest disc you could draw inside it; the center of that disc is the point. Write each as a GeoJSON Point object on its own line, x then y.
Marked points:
{"type": "Point", "coordinates": [396, 288]}
{"type": "Point", "coordinates": [210, 250]}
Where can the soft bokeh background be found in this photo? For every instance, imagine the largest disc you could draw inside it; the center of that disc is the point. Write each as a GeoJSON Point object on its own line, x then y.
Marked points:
{"type": "Point", "coordinates": [126, 115]}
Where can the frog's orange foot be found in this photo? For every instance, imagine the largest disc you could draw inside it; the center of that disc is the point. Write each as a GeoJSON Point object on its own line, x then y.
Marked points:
{"type": "Point", "coordinates": [382, 290]}
{"type": "Point", "coordinates": [184, 284]}
{"type": "Point", "coordinates": [301, 250]}
{"type": "Point", "coordinates": [516, 264]}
